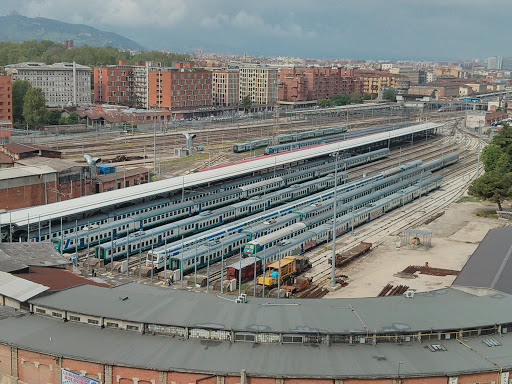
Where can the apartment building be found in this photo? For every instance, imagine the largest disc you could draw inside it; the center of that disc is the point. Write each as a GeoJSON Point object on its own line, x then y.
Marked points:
{"type": "Point", "coordinates": [305, 84]}
{"type": "Point", "coordinates": [181, 87]}
{"type": "Point", "coordinates": [374, 81]}
{"type": "Point", "coordinates": [258, 81]}
{"type": "Point", "coordinates": [63, 84]}
{"type": "Point", "coordinates": [225, 84]}
{"type": "Point", "coordinates": [5, 101]}
{"type": "Point", "coordinates": [413, 75]}
{"type": "Point", "coordinates": [113, 83]}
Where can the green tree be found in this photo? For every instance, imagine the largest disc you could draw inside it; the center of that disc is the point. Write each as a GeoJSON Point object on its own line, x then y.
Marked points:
{"type": "Point", "coordinates": [34, 108]}
{"type": "Point", "coordinates": [356, 98]}
{"type": "Point", "coordinates": [496, 183]}
{"type": "Point", "coordinates": [389, 94]}
{"type": "Point", "coordinates": [73, 118]}
{"type": "Point", "coordinates": [54, 117]}
{"type": "Point", "coordinates": [340, 99]}
{"type": "Point", "coordinates": [19, 90]}
{"type": "Point", "coordinates": [324, 103]}
{"type": "Point", "coordinates": [367, 96]}
{"type": "Point", "coordinates": [246, 102]}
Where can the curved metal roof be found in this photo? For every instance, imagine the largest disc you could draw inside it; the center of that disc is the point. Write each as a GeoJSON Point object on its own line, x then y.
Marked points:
{"type": "Point", "coordinates": [93, 202]}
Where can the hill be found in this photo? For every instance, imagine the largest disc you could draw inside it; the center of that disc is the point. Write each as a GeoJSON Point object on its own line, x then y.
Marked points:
{"type": "Point", "coordinates": [21, 28]}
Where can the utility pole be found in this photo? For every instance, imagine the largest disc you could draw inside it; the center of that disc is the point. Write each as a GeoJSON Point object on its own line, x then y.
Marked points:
{"type": "Point", "coordinates": [333, 264]}
{"type": "Point", "coordinates": [479, 144]}
{"type": "Point", "coordinates": [154, 140]}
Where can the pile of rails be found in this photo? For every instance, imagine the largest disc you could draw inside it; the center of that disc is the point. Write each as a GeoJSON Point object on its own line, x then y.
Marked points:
{"type": "Point", "coordinates": [351, 254]}
{"type": "Point", "coordinates": [389, 290]}
{"type": "Point", "coordinates": [426, 270]}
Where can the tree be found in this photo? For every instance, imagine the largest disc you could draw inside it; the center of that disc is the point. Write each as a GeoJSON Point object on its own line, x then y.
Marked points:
{"type": "Point", "coordinates": [19, 90]}
{"type": "Point", "coordinates": [367, 96]}
{"type": "Point", "coordinates": [34, 108]}
{"type": "Point", "coordinates": [389, 94]}
{"type": "Point", "coordinates": [73, 118]}
{"type": "Point", "coordinates": [496, 184]}
{"type": "Point", "coordinates": [246, 102]}
{"type": "Point", "coordinates": [340, 99]}
{"type": "Point", "coordinates": [324, 103]}
{"type": "Point", "coordinates": [355, 98]}
{"type": "Point", "coordinates": [54, 117]}
{"type": "Point", "coordinates": [492, 186]}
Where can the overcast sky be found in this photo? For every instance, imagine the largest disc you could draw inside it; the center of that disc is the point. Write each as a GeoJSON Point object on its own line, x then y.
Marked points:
{"type": "Point", "coordinates": [363, 29]}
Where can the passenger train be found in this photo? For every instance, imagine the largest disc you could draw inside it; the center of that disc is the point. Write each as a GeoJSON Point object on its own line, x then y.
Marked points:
{"type": "Point", "coordinates": [297, 237]}
{"type": "Point", "coordinates": [287, 138]}
{"type": "Point", "coordinates": [131, 219]}
{"type": "Point", "coordinates": [317, 205]}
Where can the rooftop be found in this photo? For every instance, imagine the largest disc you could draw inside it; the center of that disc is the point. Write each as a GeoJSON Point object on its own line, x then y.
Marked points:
{"type": "Point", "coordinates": [383, 315]}
{"type": "Point", "coordinates": [19, 289]}
{"type": "Point", "coordinates": [33, 254]}
{"type": "Point", "coordinates": [16, 172]}
{"type": "Point", "coordinates": [58, 165]}
{"type": "Point", "coordinates": [490, 265]}
{"type": "Point", "coordinates": [56, 278]}
{"type": "Point", "coordinates": [115, 347]}
{"type": "Point", "coordinates": [55, 66]}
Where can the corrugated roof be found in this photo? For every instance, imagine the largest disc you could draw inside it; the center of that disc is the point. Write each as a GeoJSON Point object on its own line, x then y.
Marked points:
{"type": "Point", "coordinates": [57, 278]}
{"type": "Point", "coordinates": [490, 266]}
{"type": "Point", "coordinates": [33, 254]}
{"type": "Point", "coordinates": [16, 172]}
{"type": "Point", "coordinates": [56, 163]}
{"type": "Point", "coordinates": [91, 203]}
{"type": "Point", "coordinates": [19, 289]}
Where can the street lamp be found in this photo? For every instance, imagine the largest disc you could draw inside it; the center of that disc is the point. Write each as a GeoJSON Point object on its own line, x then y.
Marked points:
{"type": "Point", "coordinates": [398, 373]}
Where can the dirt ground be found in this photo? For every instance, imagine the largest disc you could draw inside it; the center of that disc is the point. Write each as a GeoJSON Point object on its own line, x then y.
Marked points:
{"type": "Point", "coordinates": [455, 236]}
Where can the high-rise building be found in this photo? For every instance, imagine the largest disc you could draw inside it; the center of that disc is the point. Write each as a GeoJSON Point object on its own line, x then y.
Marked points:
{"type": "Point", "coordinates": [413, 75]}
{"type": "Point", "coordinates": [258, 81]}
{"type": "Point", "coordinates": [506, 63]}
{"type": "Point", "coordinates": [494, 62]}
{"type": "Point", "coordinates": [5, 101]}
{"type": "Point", "coordinates": [225, 84]}
{"type": "Point", "coordinates": [63, 84]}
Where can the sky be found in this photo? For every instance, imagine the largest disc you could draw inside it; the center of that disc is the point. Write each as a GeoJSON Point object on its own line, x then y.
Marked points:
{"type": "Point", "coordinates": [360, 29]}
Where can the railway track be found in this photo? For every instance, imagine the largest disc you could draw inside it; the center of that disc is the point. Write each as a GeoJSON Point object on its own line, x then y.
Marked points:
{"type": "Point", "coordinates": [457, 179]}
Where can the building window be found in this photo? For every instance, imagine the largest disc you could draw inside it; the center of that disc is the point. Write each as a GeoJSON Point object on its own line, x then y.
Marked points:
{"type": "Point", "coordinates": [112, 325]}
{"type": "Point", "coordinates": [40, 310]}
{"type": "Point", "coordinates": [74, 318]}
{"type": "Point", "coordinates": [132, 327]}
{"type": "Point", "coordinates": [56, 314]}
{"type": "Point", "coordinates": [92, 321]}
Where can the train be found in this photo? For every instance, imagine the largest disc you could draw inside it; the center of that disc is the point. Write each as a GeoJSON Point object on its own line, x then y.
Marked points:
{"type": "Point", "coordinates": [273, 149]}
{"type": "Point", "coordinates": [287, 138]}
{"type": "Point", "coordinates": [144, 240]}
{"type": "Point", "coordinates": [306, 240]}
{"type": "Point", "coordinates": [127, 220]}
{"type": "Point", "coordinates": [297, 238]}
{"type": "Point", "coordinates": [304, 208]}
{"type": "Point", "coordinates": [299, 221]}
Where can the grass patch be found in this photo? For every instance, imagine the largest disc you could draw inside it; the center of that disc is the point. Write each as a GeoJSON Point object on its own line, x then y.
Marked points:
{"type": "Point", "coordinates": [468, 199]}
{"type": "Point", "coordinates": [488, 213]}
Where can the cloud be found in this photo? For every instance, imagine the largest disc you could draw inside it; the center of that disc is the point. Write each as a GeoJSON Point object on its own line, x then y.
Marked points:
{"type": "Point", "coordinates": [119, 13]}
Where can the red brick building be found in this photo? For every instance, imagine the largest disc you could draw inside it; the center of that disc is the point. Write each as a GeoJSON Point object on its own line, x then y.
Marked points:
{"type": "Point", "coordinates": [113, 83]}
{"type": "Point", "coordinates": [5, 100]}
{"type": "Point", "coordinates": [304, 84]}
{"type": "Point", "coordinates": [180, 88]}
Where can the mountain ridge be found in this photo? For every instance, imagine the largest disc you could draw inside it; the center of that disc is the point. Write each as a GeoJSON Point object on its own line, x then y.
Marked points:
{"type": "Point", "coordinates": [21, 28]}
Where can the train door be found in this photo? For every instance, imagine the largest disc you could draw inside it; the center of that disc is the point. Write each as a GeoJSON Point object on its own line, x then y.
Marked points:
{"type": "Point", "coordinates": [129, 248]}
{"type": "Point", "coordinates": [159, 238]}
{"type": "Point", "coordinates": [114, 233]}
{"type": "Point", "coordinates": [229, 249]}
{"type": "Point", "coordinates": [82, 242]}
{"type": "Point", "coordinates": [202, 260]}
